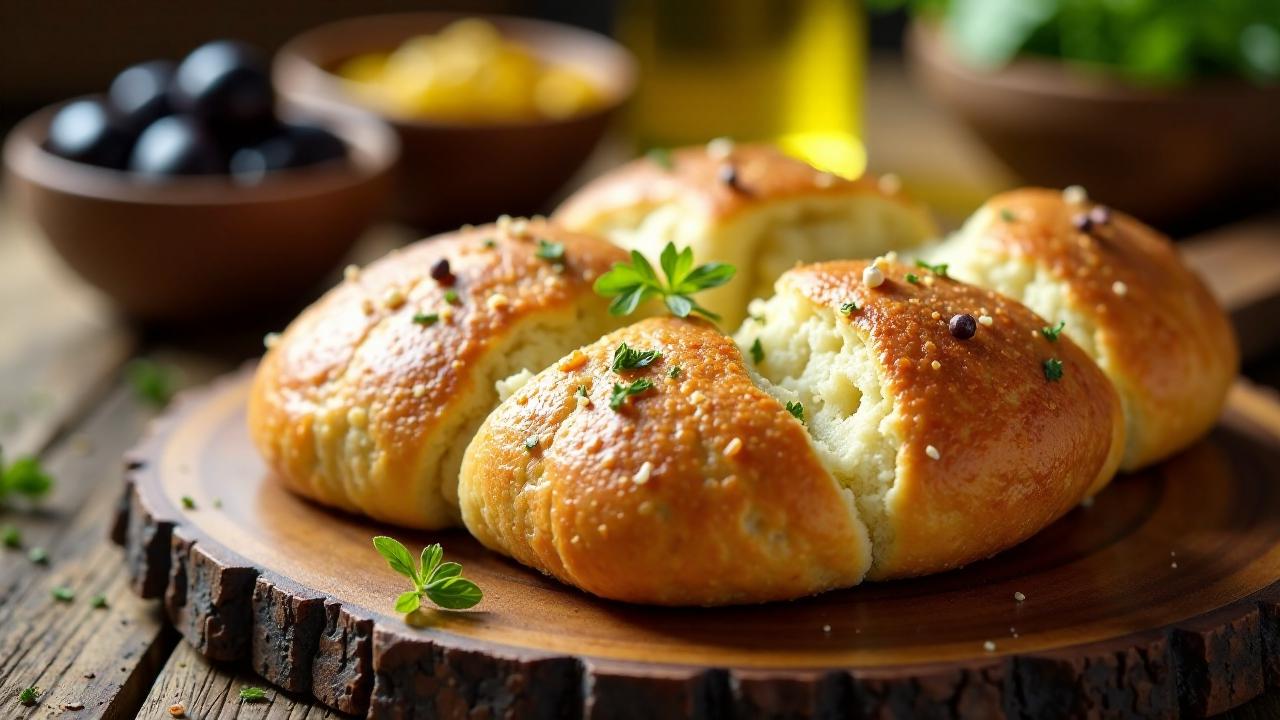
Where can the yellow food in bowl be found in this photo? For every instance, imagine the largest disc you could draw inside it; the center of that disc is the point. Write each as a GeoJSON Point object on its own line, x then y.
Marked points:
{"type": "Point", "coordinates": [468, 72]}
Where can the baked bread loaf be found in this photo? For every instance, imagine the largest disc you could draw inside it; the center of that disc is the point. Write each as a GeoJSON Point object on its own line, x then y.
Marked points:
{"type": "Point", "coordinates": [368, 399]}
{"type": "Point", "coordinates": [1124, 296]}
{"type": "Point", "coordinates": [747, 205]}
{"type": "Point", "coordinates": [829, 443]}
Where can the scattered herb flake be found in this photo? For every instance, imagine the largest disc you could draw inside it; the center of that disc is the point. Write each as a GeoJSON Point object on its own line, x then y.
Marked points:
{"type": "Point", "coordinates": [490, 243]}
{"type": "Point", "coordinates": [25, 477]}
{"type": "Point", "coordinates": [797, 410]}
{"type": "Point", "coordinates": [451, 297]}
{"type": "Point", "coordinates": [939, 269]}
{"type": "Point", "coordinates": [550, 251]}
{"type": "Point", "coordinates": [153, 382]}
{"type": "Point", "coordinates": [674, 371]}
{"type": "Point", "coordinates": [426, 319]}
{"type": "Point", "coordinates": [757, 352]}
{"type": "Point", "coordinates": [38, 555]}
{"type": "Point", "coordinates": [1053, 369]}
{"type": "Point", "coordinates": [11, 537]}
{"type": "Point", "coordinates": [661, 157]}
{"type": "Point", "coordinates": [622, 393]}
{"type": "Point", "coordinates": [1051, 333]}
{"type": "Point", "coordinates": [98, 602]}
{"type": "Point", "coordinates": [28, 695]}
{"type": "Point", "coordinates": [913, 278]}
{"type": "Point", "coordinates": [188, 502]}
{"type": "Point", "coordinates": [440, 582]}
{"type": "Point", "coordinates": [629, 358]}
{"type": "Point", "coordinates": [630, 284]}
{"type": "Point", "coordinates": [250, 693]}
{"type": "Point", "coordinates": [62, 593]}
{"type": "Point", "coordinates": [1007, 215]}
{"type": "Point", "coordinates": [848, 308]}
{"type": "Point", "coordinates": [582, 391]}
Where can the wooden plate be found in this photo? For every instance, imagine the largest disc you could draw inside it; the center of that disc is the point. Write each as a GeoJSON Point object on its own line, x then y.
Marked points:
{"type": "Point", "coordinates": [1161, 598]}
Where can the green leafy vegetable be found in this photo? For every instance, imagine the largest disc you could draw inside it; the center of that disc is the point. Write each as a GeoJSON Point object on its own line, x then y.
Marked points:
{"type": "Point", "coordinates": [796, 410]}
{"type": "Point", "coordinates": [250, 693]}
{"type": "Point", "coordinates": [1051, 333]}
{"type": "Point", "coordinates": [550, 251]}
{"type": "Point", "coordinates": [630, 284]}
{"type": "Point", "coordinates": [11, 537]}
{"type": "Point", "coordinates": [939, 269]}
{"type": "Point", "coordinates": [849, 308]}
{"type": "Point", "coordinates": [621, 393]}
{"type": "Point", "coordinates": [153, 383]}
{"type": "Point", "coordinates": [98, 602]}
{"type": "Point", "coordinates": [62, 593]}
{"type": "Point", "coordinates": [440, 582]}
{"type": "Point", "coordinates": [1053, 369]}
{"type": "Point", "coordinates": [24, 477]}
{"type": "Point", "coordinates": [674, 371]}
{"type": "Point", "coordinates": [661, 157]}
{"type": "Point", "coordinates": [28, 695]}
{"type": "Point", "coordinates": [188, 502]}
{"type": "Point", "coordinates": [451, 297]}
{"type": "Point", "coordinates": [426, 319]}
{"type": "Point", "coordinates": [629, 358]}
{"type": "Point", "coordinates": [757, 352]}
{"type": "Point", "coordinates": [913, 278]}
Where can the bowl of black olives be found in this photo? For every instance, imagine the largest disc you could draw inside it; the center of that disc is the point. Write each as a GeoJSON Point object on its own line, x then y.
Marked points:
{"type": "Point", "coordinates": [188, 190]}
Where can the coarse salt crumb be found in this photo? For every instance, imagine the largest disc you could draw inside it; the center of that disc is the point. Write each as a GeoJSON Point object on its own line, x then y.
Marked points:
{"type": "Point", "coordinates": [986, 320]}
{"type": "Point", "coordinates": [826, 628]}
{"type": "Point", "coordinates": [1119, 288]}
{"type": "Point", "coordinates": [642, 475]}
{"type": "Point", "coordinates": [1075, 194]}
{"type": "Point", "coordinates": [419, 390]}
{"type": "Point", "coordinates": [456, 364]}
{"type": "Point", "coordinates": [575, 539]}
{"type": "Point", "coordinates": [366, 305]}
{"type": "Point", "coordinates": [696, 396]}
{"type": "Point", "coordinates": [576, 359]}
{"type": "Point", "coordinates": [733, 448]}
{"type": "Point", "coordinates": [935, 365]}
{"type": "Point", "coordinates": [445, 313]}
{"type": "Point", "coordinates": [824, 180]}
{"type": "Point", "coordinates": [932, 452]}
{"type": "Point", "coordinates": [935, 315]}
{"type": "Point", "coordinates": [989, 646]}
{"type": "Point", "coordinates": [519, 227]}
{"type": "Point", "coordinates": [890, 184]}
{"type": "Point", "coordinates": [358, 417]}
{"type": "Point", "coordinates": [1019, 596]}
{"type": "Point", "coordinates": [393, 299]}
{"type": "Point", "coordinates": [497, 300]}
{"type": "Point", "coordinates": [602, 529]}
{"type": "Point", "coordinates": [270, 339]}
{"type": "Point", "coordinates": [582, 400]}
{"type": "Point", "coordinates": [504, 222]}
{"type": "Point", "coordinates": [872, 276]}
{"type": "Point", "coordinates": [351, 273]}
{"type": "Point", "coordinates": [720, 148]}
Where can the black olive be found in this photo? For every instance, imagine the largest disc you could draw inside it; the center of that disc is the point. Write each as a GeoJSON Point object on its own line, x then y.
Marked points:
{"type": "Point", "coordinates": [962, 326]}
{"type": "Point", "coordinates": [298, 146]}
{"type": "Point", "coordinates": [87, 132]}
{"type": "Point", "coordinates": [225, 84]}
{"type": "Point", "coordinates": [140, 94]}
{"type": "Point", "coordinates": [176, 145]}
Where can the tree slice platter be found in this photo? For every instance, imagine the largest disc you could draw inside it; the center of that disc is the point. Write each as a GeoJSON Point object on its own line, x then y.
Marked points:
{"type": "Point", "coordinates": [1160, 599]}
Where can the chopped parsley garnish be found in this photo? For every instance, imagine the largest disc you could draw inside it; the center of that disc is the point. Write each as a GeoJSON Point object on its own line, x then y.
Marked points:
{"type": "Point", "coordinates": [188, 502]}
{"type": "Point", "coordinates": [426, 319]}
{"type": "Point", "coordinates": [913, 278]}
{"type": "Point", "coordinates": [939, 269]}
{"type": "Point", "coordinates": [622, 393]}
{"type": "Point", "coordinates": [582, 391]}
{"type": "Point", "coordinates": [1051, 333]}
{"type": "Point", "coordinates": [451, 297]}
{"type": "Point", "coordinates": [848, 308]}
{"type": "Point", "coordinates": [152, 382]}
{"type": "Point", "coordinates": [629, 358]}
{"type": "Point", "coordinates": [24, 477]}
{"type": "Point", "coordinates": [28, 695]}
{"type": "Point", "coordinates": [757, 352]}
{"type": "Point", "coordinates": [440, 582]}
{"type": "Point", "coordinates": [630, 284]}
{"type": "Point", "coordinates": [62, 593]}
{"type": "Point", "coordinates": [531, 443]}
{"type": "Point", "coordinates": [490, 243]}
{"type": "Point", "coordinates": [797, 410]}
{"type": "Point", "coordinates": [38, 555]}
{"type": "Point", "coordinates": [11, 537]}
{"type": "Point", "coordinates": [1053, 369]}
{"type": "Point", "coordinates": [675, 371]}
{"type": "Point", "coordinates": [98, 602]}
{"type": "Point", "coordinates": [660, 157]}
{"type": "Point", "coordinates": [550, 251]}
{"type": "Point", "coordinates": [1007, 215]}
{"type": "Point", "coordinates": [250, 693]}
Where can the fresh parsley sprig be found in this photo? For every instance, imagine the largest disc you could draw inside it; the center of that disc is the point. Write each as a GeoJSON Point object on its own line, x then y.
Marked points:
{"type": "Point", "coordinates": [24, 477]}
{"type": "Point", "coordinates": [630, 284]}
{"type": "Point", "coordinates": [441, 582]}
{"type": "Point", "coordinates": [940, 269]}
{"type": "Point", "coordinates": [552, 252]}
{"type": "Point", "coordinates": [622, 393]}
{"type": "Point", "coordinates": [1051, 333]}
{"type": "Point", "coordinates": [626, 357]}
{"type": "Point", "coordinates": [797, 411]}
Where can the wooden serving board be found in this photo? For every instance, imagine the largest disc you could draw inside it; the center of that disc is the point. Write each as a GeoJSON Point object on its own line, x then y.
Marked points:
{"type": "Point", "coordinates": [1160, 599]}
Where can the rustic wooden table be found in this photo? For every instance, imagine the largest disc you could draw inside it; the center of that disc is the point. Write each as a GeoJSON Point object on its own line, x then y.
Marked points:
{"type": "Point", "coordinates": [65, 396]}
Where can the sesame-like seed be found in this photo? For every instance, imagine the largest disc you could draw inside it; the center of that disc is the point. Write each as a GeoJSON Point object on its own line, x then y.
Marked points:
{"type": "Point", "coordinates": [520, 227]}
{"type": "Point", "coordinates": [826, 628]}
{"type": "Point", "coordinates": [733, 448]}
{"type": "Point", "coordinates": [357, 417]}
{"type": "Point", "coordinates": [456, 364]}
{"type": "Point", "coordinates": [393, 298]}
{"type": "Point", "coordinates": [602, 529]}
{"type": "Point", "coordinates": [419, 390]}
{"type": "Point", "coordinates": [720, 148]}
{"type": "Point", "coordinates": [645, 507]}
{"type": "Point", "coordinates": [696, 396]}
{"type": "Point", "coordinates": [935, 365]}
{"type": "Point", "coordinates": [1075, 194]}
{"type": "Point", "coordinates": [962, 326]}
{"type": "Point", "coordinates": [935, 315]}
{"type": "Point", "coordinates": [642, 475]}
{"type": "Point", "coordinates": [1119, 288]}
{"type": "Point", "coordinates": [351, 273]}
{"type": "Point", "coordinates": [496, 300]}
{"type": "Point", "coordinates": [446, 313]}
{"type": "Point", "coordinates": [890, 184]}
{"type": "Point", "coordinates": [872, 276]}
{"type": "Point", "coordinates": [1019, 597]}
{"type": "Point", "coordinates": [989, 646]}
{"type": "Point", "coordinates": [582, 400]}
{"type": "Point", "coordinates": [891, 256]}
{"type": "Point", "coordinates": [824, 180]}
{"type": "Point", "coordinates": [932, 452]}
{"type": "Point", "coordinates": [270, 339]}
{"type": "Point", "coordinates": [366, 306]}
{"type": "Point", "coordinates": [986, 320]}
{"type": "Point", "coordinates": [575, 539]}
{"type": "Point", "coordinates": [504, 222]}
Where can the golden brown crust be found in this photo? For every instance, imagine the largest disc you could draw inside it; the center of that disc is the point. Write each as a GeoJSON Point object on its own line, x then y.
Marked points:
{"type": "Point", "coordinates": [354, 397]}
{"type": "Point", "coordinates": [700, 491]}
{"type": "Point", "coordinates": [1164, 340]}
{"type": "Point", "coordinates": [764, 174]}
{"type": "Point", "coordinates": [1015, 451]}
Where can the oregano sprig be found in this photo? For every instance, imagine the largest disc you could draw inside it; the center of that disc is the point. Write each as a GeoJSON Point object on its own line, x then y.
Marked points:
{"type": "Point", "coordinates": [630, 284]}
{"type": "Point", "coordinates": [25, 477]}
{"type": "Point", "coordinates": [440, 582]}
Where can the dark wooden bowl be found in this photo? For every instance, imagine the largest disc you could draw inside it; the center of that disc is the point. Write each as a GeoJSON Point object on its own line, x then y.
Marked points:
{"type": "Point", "coordinates": [1162, 154]}
{"type": "Point", "coordinates": [202, 246]}
{"type": "Point", "coordinates": [453, 173]}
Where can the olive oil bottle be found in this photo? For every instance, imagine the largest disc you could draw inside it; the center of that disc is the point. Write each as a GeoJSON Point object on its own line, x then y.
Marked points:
{"type": "Point", "coordinates": [787, 71]}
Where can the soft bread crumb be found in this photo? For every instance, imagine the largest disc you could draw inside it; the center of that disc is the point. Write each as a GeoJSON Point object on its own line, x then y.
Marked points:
{"type": "Point", "coordinates": [508, 386]}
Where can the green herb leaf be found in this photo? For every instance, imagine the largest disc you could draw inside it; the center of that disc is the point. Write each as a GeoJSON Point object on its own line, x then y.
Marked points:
{"type": "Point", "coordinates": [622, 393]}
{"type": "Point", "coordinates": [582, 391]}
{"type": "Point", "coordinates": [490, 243]}
{"type": "Point", "coordinates": [396, 555]}
{"type": "Point", "coordinates": [632, 283]}
{"type": "Point", "coordinates": [1007, 215]}
{"type": "Point", "coordinates": [454, 593]}
{"type": "Point", "coordinates": [430, 561]}
{"type": "Point", "coordinates": [451, 297]}
{"type": "Point", "coordinates": [660, 157]}
{"type": "Point", "coordinates": [629, 358]}
{"type": "Point", "coordinates": [1051, 333]}
{"type": "Point", "coordinates": [38, 555]}
{"type": "Point", "coordinates": [848, 308]}
{"type": "Point", "coordinates": [940, 269]}
{"type": "Point", "coordinates": [757, 352]}
{"type": "Point", "coordinates": [28, 695]}
{"type": "Point", "coordinates": [796, 410]}
{"type": "Point", "coordinates": [26, 477]}
{"type": "Point", "coordinates": [188, 502]}
{"type": "Point", "coordinates": [1053, 369]}
{"type": "Point", "coordinates": [913, 278]}
{"type": "Point", "coordinates": [250, 693]}
{"type": "Point", "coordinates": [11, 537]}
{"type": "Point", "coordinates": [153, 383]}
{"type": "Point", "coordinates": [426, 319]}
{"type": "Point", "coordinates": [445, 570]}
{"type": "Point", "coordinates": [674, 371]}
{"type": "Point", "coordinates": [550, 251]}
{"type": "Point", "coordinates": [408, 601]}
{"type": "Point", "coordinates": [62, 593]}
{"type": "Point", "coordinates": [98, 602]}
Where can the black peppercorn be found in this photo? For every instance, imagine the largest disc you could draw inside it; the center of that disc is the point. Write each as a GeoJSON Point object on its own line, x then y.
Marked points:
{"type": "Point", "coordinates": [962, 326]}
{"type": "Point", "coordinates": [441, 273]}
{"type": "Point", "coordinates": [729, 176]}
{"type": "Point", "coordinates": [1082, 222]}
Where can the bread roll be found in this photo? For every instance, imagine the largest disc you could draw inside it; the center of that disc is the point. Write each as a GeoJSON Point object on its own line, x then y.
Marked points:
{"type": "Point", "coordinates": [368, 399]}
{"type": "Point", "coordinates": [922, 452]}
{"type": "Point", "coordinates": [1126, 298]}
{"type": "Point", "coordinates": [747, 205]}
